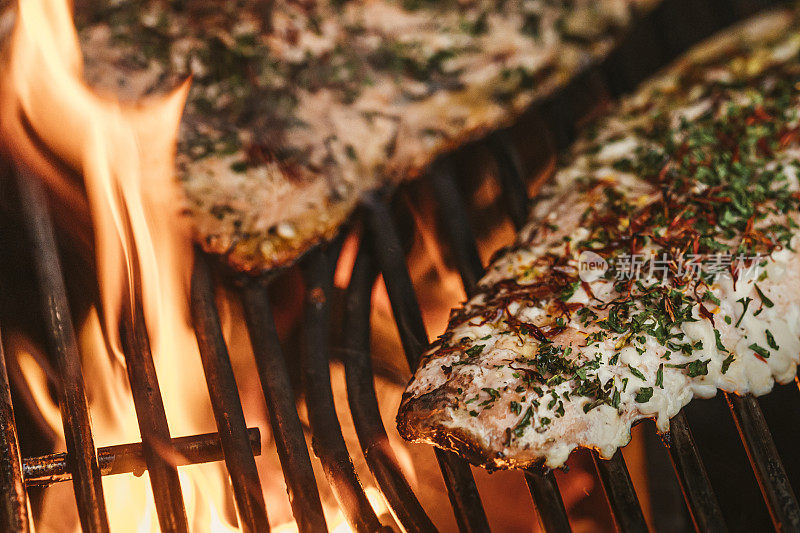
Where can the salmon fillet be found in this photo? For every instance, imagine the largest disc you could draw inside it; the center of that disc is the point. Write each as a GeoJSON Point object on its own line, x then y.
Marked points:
{"type": "Point", "coordinates": [297, 108]}
{"type": "Point", "coordinates": [659, 264]}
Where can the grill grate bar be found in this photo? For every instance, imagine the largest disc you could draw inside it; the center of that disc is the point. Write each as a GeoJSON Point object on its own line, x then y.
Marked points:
{"type": "Point", "coordinates": [363, 401]}
{"type": "Point", "coordinates": [385, 242]}
{"type": "Point", "coordinates": [695, 485]}
{"type": "Point", "coordinates": [613, 474]}
{"type": "Point", "coordinates": [14, 517]}
{"type": "Point", "coordinates": [130, 458]}
{"type": "Point", "coordinates": [328, 442]}
{"type": "Point", "coordinates": [391, 260]}
{"type": "Point", "coordinates": [62, 343]}
{"type": "Point", "coordinates": [225, 401]}
{"type": "Point", "coordinates": [454, 219]}
{"type": "Point", "coordinates": [700, 497]}
{"type": "Point", "coordinates": [509, 173]}
{"type": "Point", "coordinates": [279, 396]}
{"type": "Point", "coordinates": [767, 465]}
{"type": "Point", "coordinates": [549, 505]}
{"type": "Point", "coordinates": [152, 420]}
{"type": "Point", "coordinates": [620, 493]}
{"type": "Point", "coordinates": [463, 493]}
{"type": "Point", "coordinates": [453, 216]}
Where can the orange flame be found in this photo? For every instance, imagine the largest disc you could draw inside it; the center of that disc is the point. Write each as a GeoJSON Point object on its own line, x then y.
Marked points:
{"type": "Point", "coordinates": [129, 198]}
{"type": "Point", "coordinates": [125, 154]}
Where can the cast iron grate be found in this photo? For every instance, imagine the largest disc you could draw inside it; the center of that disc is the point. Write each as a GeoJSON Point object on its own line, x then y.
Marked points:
{"type": "Point", "coordinates": [659, 38]}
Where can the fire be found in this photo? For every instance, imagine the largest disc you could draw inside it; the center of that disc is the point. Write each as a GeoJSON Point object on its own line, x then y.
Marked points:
{"type": "Point", "coordinates": [36, 379]}
{"type": "Point", "coordinates": [125, 154]}
{"type": "Point", "coordinates": [441, 285]}
{"type": "Point", "coordinates": [125, 207]}
{"type": "Point", "coordinates": [336, 521]}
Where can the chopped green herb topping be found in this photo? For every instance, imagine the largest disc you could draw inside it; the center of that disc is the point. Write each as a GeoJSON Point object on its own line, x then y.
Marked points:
{"type": "Point", "coordinates": [475, 350]}
{"type": "Point", "coordinates": [745, 304]}
{"type": "Point", "coordinates": [727, 363]}
{"type": "Point", "coordinates": [771, 340]}
{"type": "Point", "coordinates": [519, 429]}
{"type": "Point", "coordinates": [720, 346]}
{"type": "Point", "coordinates": [644, 394]}
{"type": "Point", "coordinates": [767, 302]}
{"type": "Point", "coordinates": [636, 372]}
{"type": "Point", "coordinates": [763, 352]}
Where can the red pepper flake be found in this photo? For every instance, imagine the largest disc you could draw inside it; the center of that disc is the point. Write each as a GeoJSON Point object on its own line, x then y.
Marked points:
{"type": "Point", "coordinates": [588, 290]}
{"type": "Point", "coordinates": [521, 327]}
{"type": "Point", "coordinates": [669, 307]}
{"type": "Point", "coordinates": [787, 138]}
{"type": "Point", "coordinates": [707, 314]}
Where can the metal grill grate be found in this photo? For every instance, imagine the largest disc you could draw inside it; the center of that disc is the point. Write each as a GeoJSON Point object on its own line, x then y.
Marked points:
{"type": "Point", "coordinates": [82, 463]}
{"type": "Point", "coordinates": [381, 252]}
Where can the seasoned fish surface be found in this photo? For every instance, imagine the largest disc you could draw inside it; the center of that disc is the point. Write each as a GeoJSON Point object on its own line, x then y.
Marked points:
{"type": "Point", "coordinates": [660, 264]}
{"type": "Point", "coordinates": [298, 107]}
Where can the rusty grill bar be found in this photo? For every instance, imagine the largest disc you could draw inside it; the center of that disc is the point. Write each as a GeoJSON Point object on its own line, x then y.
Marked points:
{"type": "Point", "coordinates": [225, 401]}
{"type": "Point", "coordinates": [279, 396]}
{"type": "Point", "coordinates": [692, 476]}
{"type": "Point", "coordinates": [130, 458]}
{"type": "Point", "coordinates": [14, 514]}
{"type": "Point", "coordinates": [82, 463]}
{"type": "Point", "coordinates": [363, 401]}
{"type": "Point", "coordinates": [329, 443]}
{"type": "Point", "coordinates": [82, 456]}
{"type": "Point", "coordinates": [381, 252]}
{"type": "Point", "coordinates": [152, 418]}
{"type": "Point", "coordinates": [763, 455]}
{"type": "Point", "coordinates": [385, 242]}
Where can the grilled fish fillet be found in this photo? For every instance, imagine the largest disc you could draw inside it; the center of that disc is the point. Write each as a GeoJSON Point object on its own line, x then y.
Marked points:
{"type": "Point", "coordinates": [298, 107]}
{"type": "Point", "coordinates": [660, 264]}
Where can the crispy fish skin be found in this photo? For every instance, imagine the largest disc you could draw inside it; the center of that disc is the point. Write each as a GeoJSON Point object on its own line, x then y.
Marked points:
{"type": "Point", "coordinates": [297, 108]}
{"type": "Point", "coordinates": [700, 162]}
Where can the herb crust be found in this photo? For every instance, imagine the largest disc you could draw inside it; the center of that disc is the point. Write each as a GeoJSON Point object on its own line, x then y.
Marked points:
{"type": "Point", "coordinates": [297, 108]}
{"type": "Point", "coordinates": [689, 190]}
